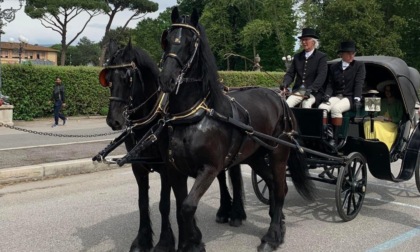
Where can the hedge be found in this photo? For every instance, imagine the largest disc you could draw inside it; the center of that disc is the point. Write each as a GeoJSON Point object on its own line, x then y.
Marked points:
{"type": "Point", "coordinates": [30, 87]}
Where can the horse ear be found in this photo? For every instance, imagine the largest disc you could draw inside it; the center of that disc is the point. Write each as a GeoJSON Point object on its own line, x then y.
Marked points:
{"type": "Point", "coordinates": [112, 47]}
{"type": "Point", "coordinates": [175, 15]}
{"type": "Point", "coordinates": [129, 45]}
{"type": "Point", "coordinates": [194, 17]}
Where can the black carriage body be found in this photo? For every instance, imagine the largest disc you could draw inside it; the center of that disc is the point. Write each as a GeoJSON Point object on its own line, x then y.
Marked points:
{"type": "Point", "coordinates": [378, 157]}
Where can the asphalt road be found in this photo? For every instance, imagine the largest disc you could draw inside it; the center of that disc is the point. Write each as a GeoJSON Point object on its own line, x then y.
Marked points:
{"type": "Point", "coordinates": [35, 142]}
{"type": "Point", "coordinates": [98, 212]}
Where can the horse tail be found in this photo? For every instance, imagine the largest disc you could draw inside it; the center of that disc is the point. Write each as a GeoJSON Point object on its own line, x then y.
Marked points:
{"type": "Point", "coordinates": [298, 167]}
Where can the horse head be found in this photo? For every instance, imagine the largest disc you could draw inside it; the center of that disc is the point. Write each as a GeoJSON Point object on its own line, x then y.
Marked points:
{"type": "Point", "coordinates": [180, 44]}
{"type": "Point", "coordinates": [131, 76]}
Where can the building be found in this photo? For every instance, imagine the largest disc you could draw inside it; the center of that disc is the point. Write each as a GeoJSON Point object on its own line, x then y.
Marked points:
{"type": "Point", "coordinates": [13, 52]}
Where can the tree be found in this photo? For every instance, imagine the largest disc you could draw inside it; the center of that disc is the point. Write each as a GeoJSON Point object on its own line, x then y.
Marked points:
{"type": "Point", "coordinates": [404, 14]}
{"type": "Point", "coordinates": [120, 35]}
{"type": "Point", "coordinates": [87, 52]}
{"type": "Point", "coordinates": [361, 21]}
{"type": "Point", "coordinates": [137, 7]}
{"type": "Point", "coordinates": [246, 26]}
{"type": "Point", "coordinates": [57, 14]}
{"type": "Point", "coordinates": [147, 33]}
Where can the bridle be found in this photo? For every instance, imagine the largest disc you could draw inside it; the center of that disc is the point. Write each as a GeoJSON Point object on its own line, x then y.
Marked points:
{"type": "Point", "coordinates": [184, 67]}
{"type": "Point", "coordinates": [129, 109]}
{"type": "Point", "coordinates": [130, 67]}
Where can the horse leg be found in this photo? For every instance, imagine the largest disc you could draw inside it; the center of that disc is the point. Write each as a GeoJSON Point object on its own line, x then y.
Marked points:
{"type": "Point", "coordinates": [222, 215]}
{"type": "Point", "coordinates": [193, 234]}
{"type": "Point", "coordinates": [167, 240]}
{"type": "Point", "coordinates": [277, 230]}
{"type": "Point", "coordinates": [144, 239]}
{"type": "Point", "coordinates": [233, 210]}
{"type": "Point", "coordinates": [237, 213]}
{"type": "Point", "coordinates": [179, 186]}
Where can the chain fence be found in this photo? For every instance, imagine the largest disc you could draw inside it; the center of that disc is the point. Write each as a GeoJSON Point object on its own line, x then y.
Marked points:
{"type": "Point", "coordinates": [58, 135]}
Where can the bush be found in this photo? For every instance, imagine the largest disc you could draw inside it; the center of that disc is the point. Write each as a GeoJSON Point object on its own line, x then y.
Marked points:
{"type": "Point", "coordinates": [30, 88]}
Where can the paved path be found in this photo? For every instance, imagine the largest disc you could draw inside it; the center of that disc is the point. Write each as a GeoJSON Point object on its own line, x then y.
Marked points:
{"type": "Point", "coordinates": [26, 150]}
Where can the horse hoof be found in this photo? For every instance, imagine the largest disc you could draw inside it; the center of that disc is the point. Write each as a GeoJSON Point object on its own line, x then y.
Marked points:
{"type": "Point", "coordinates": [235, 223]}
{"type": "Point", "coordinates": [220, 219]}
{"type": "Point", "coordinates": [265, 247]}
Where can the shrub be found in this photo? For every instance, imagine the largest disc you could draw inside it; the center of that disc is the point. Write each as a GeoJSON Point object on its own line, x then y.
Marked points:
{"type": "Point", "coordinates": [30, 88]}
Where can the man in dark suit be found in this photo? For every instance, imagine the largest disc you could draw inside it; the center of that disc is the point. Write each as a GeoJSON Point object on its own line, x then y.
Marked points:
{"type": "Point", "coordinates": [345, 84]}
{"type": "Point", "coordinates": [309, 67]}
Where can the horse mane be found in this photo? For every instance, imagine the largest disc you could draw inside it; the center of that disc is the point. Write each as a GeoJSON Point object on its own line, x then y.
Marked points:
{"type": "Point", "coordinates": [148, 68]}
{"type": "Point", "coordinates": [209, 66]}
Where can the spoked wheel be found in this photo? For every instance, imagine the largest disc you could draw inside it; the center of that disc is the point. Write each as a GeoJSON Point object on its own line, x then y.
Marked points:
{"type": "Point", "coordinates": [351, 186]}
{"type": "Point", "coordinates": [260, 188]}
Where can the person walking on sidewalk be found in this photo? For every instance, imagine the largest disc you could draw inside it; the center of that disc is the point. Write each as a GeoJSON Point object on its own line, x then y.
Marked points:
{"type": "Point", "coordinates": [58, 97]}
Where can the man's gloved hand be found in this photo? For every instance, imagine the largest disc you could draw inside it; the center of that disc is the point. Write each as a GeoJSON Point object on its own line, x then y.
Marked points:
{"type": "Point", "coordinates": [282, 87]}
{"type": "Point", "coordinates": [326, 98]}
{"type": "Point", "coordinates": [307, 94]}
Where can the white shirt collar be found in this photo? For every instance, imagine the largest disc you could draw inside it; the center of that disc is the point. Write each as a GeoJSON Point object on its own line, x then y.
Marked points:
{"type": "Point", "coordinates": [345, 64]}
{"type": "Point", "coordinates": [308, 54]}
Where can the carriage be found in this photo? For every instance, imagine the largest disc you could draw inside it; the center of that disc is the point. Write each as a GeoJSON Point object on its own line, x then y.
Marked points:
{"type": "Point", "coordinates": [198, 130]}
{"type": "Point", "coordinates": [346, 166]}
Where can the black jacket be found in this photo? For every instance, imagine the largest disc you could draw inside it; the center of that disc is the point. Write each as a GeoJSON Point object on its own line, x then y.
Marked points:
{"type": "Point", "coordinates": [58, 93]}
{"type": "Point", "coordinates": [347, 82]}
{"type": "Point", "coordinates": [311, 72]}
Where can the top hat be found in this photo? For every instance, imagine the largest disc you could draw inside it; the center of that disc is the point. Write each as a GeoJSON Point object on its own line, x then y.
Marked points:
{"type": "Point", "coordinates": [347, 46]}
{"type": "Point", "coordinates": [308, 32]}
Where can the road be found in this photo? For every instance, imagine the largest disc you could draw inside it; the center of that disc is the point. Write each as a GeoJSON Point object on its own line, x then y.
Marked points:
{"type": "Point", "coordinates": [98, 212]}
{"type": "Point", "coordinates": [36, 142]}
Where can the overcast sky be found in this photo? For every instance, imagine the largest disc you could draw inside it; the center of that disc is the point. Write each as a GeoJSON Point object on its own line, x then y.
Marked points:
{"type": "Point", "coordinates": [38, 34]}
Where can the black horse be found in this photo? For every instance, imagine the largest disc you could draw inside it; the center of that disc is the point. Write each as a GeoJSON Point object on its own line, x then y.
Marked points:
{"type": "Point", "coordinates": [132, 77]}
{"type": "Point", "coordinates": [225, 135]}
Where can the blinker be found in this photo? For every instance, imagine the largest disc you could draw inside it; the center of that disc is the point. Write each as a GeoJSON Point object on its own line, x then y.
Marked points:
{"type": "Point", "coordinates": [163, 41]}
{"type": "Point", "coordinates": [102, 78]}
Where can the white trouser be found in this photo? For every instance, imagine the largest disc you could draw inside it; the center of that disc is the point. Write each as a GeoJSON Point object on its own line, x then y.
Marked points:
{"type": "Point", "coordinates": [297, 98]}
{"type": "Point", "coordinates": [337, 106]}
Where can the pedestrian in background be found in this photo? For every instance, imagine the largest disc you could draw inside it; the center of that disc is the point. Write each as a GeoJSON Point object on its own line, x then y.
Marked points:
{"type": "Point", "coordinates": [309, 68]}
{"type": "Point", "coordinates": [58, 97]}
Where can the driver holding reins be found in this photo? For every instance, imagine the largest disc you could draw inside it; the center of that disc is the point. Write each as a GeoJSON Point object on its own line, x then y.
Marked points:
{"type": "Point", "coordinates": [310, 69]}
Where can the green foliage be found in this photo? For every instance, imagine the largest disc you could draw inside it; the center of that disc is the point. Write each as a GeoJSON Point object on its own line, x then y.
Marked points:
{"type": "Point", "coordinates": [361, 21]}
{"type": "Point", "coordinates": [58, 14]}
{"type": "Point", "coordinates": [87, 52]}
{"type": "Point", "coordinates": [148, 33]}
{"type": "Point", "coordinates": [30, 90]}
{"type": "Point", "coordinates": [255, 31]}
{"type": "Point", "coordinates": [248, 78]}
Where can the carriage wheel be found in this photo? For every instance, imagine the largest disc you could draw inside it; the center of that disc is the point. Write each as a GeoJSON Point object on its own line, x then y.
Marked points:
{"type": "Point", "coordinates": [260, 188]}
{"type": "Point", "coordinates": [351, 186]}
{"type": "Point", "coordinates": [417, 174]}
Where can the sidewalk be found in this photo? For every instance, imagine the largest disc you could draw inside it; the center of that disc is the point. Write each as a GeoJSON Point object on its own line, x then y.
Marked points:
{"type": "Point", "coordinates": [55, 166]}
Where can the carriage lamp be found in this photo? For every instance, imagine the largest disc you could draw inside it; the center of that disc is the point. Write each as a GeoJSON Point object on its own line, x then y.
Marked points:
{"type": "Point", "coordinates": [9, 16]}
{"type": "Point", "coordinates": [287, 61]}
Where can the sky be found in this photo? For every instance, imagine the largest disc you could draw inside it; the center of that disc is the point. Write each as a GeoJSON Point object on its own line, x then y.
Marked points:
{"type": "Point", "coordinates": [36, 33]}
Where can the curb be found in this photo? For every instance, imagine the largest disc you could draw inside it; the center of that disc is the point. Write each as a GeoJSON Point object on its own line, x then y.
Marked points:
{"type": "Point", "coordinates": [52, 170]}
